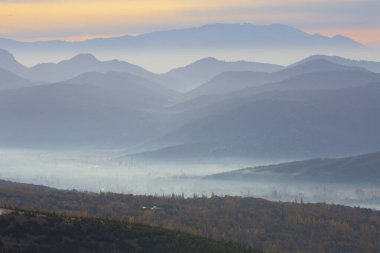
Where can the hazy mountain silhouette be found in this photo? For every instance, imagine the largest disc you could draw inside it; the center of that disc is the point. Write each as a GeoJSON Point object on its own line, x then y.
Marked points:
{"type": "Point", "coordinates": [317, 65]}
{"type": "Point", "coordinates": [369, 65]}
{"type": "Point", "coordinates": [203, 105]}
{"type": "Point", "coordinates": [221, 36]}
{"type": "Point", "coordinates": [8, 80]}
{"type": "Point", "coordinates": [178, 79]}
{"type": "Point", "coordinates": [67, 69]}
{"type": "Point", "coordinates": [162, 50]}
{"type": "Point", "coordinates": [82, 63]}
{"type": "Point", "coordinates": [193, 75]}
{"type": "Point", "coordinates": [319, 81]}
{"type": "Point", "coordinates": [8, 62]}
{"type": "Point", "coordinates": [235, 35]}
{"type": "Point", "coordinates": [283, 124]}
{"type": "Point", "coordinates": [354, 169]}
{"type": "Point", "coordinates": [234, 81]}
{"type": "Point", "coordinates": [229, 82]}
{"type": "Point", "coordinates": [94, 108]}
{"type": "Point", "coordinates": [309, 109]}
{"type": "Point", "coordinates": [141, 85]}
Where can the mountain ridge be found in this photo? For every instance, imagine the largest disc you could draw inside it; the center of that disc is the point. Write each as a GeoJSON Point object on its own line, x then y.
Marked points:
{"type": "Point", "coordinates": [279, 125]}
{"type": "Point", "coordinates": [363, 168]}
{"type": "Point", "coordinates": [228, 41]}
{"type": "Point", "coordinates": [233, 81]}
{"type": "Point", "coordinates": [216, 27]}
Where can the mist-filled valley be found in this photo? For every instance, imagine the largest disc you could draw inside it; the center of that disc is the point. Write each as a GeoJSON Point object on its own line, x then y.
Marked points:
{"type": "Point", "coordinates": [101, 171]}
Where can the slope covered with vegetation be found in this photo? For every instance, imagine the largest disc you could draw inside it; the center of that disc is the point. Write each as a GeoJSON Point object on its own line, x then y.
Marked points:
{"type": "Point", "coordinates": [272, 226]}
{"type": "Point", "coordinates": [354, 169]}
{"type": "Point", "coordinates": [30, 232]}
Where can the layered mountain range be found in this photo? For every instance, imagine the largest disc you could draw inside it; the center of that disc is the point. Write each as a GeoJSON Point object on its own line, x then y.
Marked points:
{"type": "Point", "coordinates": [208, 110]}
{"type": "Point", "coordinates": [210, 36]}
{"type": "Point", "coordinates": [163, 50]}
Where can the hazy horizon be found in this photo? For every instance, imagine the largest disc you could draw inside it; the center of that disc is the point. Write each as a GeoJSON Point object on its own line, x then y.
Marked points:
{"type": "Point", "coordinates": [32, 53]}
{"type": "Point", "coordinates": [36, 19]}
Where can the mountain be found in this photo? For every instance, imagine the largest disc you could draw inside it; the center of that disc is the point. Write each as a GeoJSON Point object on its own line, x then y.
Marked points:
{"type": "Point", "coordinates": [193, 75]}
{"type": "Point", "coordinates": [252, 82]}
{"type": "Point", "coordinates": [67, 69]}
{"type": "Point", "coordinates": [118, 108]}
{"type": "Point", "coordinates": [91, 109]}
{"type": "Point", "coordinates": [330, 80]}
{"type": "Point", "coordinates": [319, 81]}
{"type": "Point", "coordinates": [238, 35]}
{"type": "Point", "coordinates": [281, 125]}
{"type": "Point", "coordinates": [82, 63]}
{"type": "Point", "coordinates": [8, 81]}
{"type": "Point", "coordinates": [121, 78]}
{"type": "Point", "coordinates": [369, 65]}
{"type": "Point", "coordinates": [354, 169]}
{"type": "Point", "coordinates": [317, 65]}
{"type": "Point", "coordinates": [228, 82]}
{"type": "Point", "coordinates": [177, 79]}
{"type": "Point", "coordinates": [203, 37]}
{"type": "Point", "coordinates": [167, 48]}
{"type": "Point", "coordinates": [8, 62]}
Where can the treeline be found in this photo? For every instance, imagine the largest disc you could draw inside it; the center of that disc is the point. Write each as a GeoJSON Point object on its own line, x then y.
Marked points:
{"type": "Point", "coordinates": [273, 226]}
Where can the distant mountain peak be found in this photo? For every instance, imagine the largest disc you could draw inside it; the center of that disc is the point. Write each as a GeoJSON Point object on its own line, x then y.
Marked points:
{"type": "Point", "coordinates": [246, 25]}
{"type": "Point", "coordinates": [84, 58]}
{"type": "Point", "coordinates": [344, 39]}
{"type": "Point", "coordinates": [369, 65]}
{"type": "Point", "coordinates": [207, 60]}
{"type": "Point", "coordinates": [340, 37]}
{"type": "Point", "coordinates": [8, 62]}
{"type": "Point", "coordinates": [319, 61]}
{"type": "Point", "coordinates": [324, 65]}
{"type": "Point", "coordinates": [282, 26]}
{"type": "Point", "coordinates": [5, 55]}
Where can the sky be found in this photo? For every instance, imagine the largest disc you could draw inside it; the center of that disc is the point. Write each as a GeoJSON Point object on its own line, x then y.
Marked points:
{"type": "Point", "coordinates": [74, 20]}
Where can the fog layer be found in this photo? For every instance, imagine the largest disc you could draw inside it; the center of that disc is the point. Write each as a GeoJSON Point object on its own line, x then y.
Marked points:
{"type": "Point", "coordinates": [97, 171]}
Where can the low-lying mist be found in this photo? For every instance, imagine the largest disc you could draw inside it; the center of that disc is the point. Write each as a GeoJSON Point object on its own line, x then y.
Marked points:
{"type": "Point", "coordinates": [98, 170]}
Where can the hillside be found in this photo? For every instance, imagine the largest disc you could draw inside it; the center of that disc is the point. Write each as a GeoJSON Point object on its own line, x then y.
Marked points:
{"type": "Point", "coordinates": [280, 125]}
{"type": "Point", "coordinates": [316, 69]}
{"type": "Point", "coordinates": [91, 108]}
{"type": "Point", "coordinates": [203, 37]}
{"type": "Point", "coordinates": [35, 232]}
{"type": "Point", "coordinates": [369, 65]}
{"type": "Point", "coordinates": [70, 68]}
{"type": "Point", "coordinates": [230, 81]}
{"type": "Point", "coordinates": [273, 226]}
{"type": "Point", "coordinates": [9, 81]}
{"type": "Point", "coordinates": [9, 63]}
{"type": "Point", "coordinates": [191, 76]}
{"type": "Point", "coordinates": [354, 169]}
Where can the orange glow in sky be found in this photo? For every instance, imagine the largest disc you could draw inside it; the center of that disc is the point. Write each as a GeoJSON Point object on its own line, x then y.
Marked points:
{"type": "Point", "coordinates": [83, 19]}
